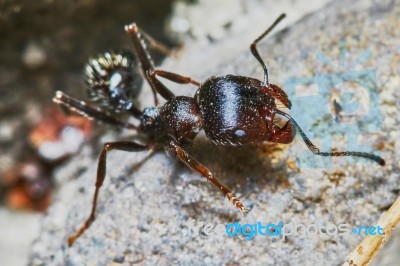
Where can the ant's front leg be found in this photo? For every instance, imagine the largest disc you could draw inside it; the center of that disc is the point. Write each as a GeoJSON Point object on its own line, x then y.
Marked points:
{"type": "Point", "coordinates": [185, 157]}
{"type": "Point", "coordinates": [101, 172]}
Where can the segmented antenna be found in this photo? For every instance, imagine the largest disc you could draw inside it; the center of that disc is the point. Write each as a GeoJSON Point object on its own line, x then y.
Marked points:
{"type": "Point", "coordinates": [316, 151]}
{"type": "Point", "coordinates": [254, 51]}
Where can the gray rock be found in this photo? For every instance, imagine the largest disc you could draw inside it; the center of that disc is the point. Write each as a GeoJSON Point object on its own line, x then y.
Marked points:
{"type": "Point", "coordinates": [144, 216]}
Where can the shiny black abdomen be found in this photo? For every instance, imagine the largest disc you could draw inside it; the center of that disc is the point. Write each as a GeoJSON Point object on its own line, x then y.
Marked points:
{"type": "Point", "coordinates": [231, 108]}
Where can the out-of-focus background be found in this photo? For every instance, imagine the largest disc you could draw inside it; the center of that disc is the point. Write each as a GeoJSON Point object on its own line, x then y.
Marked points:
{"type": "Point", "coordinates": [44, 47]}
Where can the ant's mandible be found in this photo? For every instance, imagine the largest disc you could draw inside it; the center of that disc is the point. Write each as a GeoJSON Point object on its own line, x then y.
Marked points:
{"type": "Point", "coordinates": [232, 110]}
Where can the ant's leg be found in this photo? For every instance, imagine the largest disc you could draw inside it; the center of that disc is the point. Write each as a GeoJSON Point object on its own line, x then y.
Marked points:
{"type": "Point", "coordinates": [147, 63]}
{"type": "Point", "coordinates": [276, 92]}
{"type": "Point", "coordinates": [173, 77]}
{"type": "Point", "coordinates": [91, 113]}
{"type": "Point", "coordinates": [185, 157]}
{"type": "Point", "coordinates": [156, 44]}
{"type": "Point", "coordinates": [254, 51]}
{"type": "Point", "coordinates": [101, 172]}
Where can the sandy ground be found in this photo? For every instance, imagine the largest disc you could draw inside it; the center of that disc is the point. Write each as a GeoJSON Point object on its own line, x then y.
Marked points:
{"type": "Point", "coordinates": [144, 216]}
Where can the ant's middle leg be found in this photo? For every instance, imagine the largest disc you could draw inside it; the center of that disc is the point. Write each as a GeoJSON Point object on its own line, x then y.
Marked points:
{"type": "Point", "coordinates": [146, 62]}
{"type": "Point", "coordinates": [101, 173]}
{"type": "Point", "coordinates": [173, 77]}
{"type": "Point", "coordinates": [185, 157]}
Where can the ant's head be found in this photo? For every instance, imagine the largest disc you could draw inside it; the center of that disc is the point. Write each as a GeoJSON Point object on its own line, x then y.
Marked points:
{"type": "Point", "coordinates": [113, 80]}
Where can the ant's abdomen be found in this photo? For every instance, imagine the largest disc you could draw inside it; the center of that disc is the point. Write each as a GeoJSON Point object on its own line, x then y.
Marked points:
{"type": "Point", "coordinates": [230, 109]}
{"type": "Point", "coordinates": [113, 79]}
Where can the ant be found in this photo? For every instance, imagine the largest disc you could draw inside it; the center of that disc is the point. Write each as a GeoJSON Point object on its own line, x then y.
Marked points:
{"type": "Point", "coordinates": [232, 110]}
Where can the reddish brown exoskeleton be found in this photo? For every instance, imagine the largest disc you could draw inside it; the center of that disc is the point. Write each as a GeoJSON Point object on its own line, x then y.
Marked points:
{"type": "Point", "coordinates": [232, 110]}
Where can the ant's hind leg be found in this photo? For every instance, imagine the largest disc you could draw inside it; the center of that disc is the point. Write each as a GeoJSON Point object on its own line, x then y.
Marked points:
{"type": "Point", "coordinates": [101, 172]}
{"type": "Point", "coordinates": [185, 157]}
{"type": "Point", "coordinates": [81, 108]}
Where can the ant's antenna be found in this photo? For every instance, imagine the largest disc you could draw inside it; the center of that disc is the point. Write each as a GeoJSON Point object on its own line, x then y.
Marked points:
{"type": "Point", "coordinates": [254, 51]}
{"type": "Point", "coordinates": [316, 151]}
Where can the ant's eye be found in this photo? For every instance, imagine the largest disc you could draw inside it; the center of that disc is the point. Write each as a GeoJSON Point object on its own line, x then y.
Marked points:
{"type": "Point", "coordinates": [113, 79]}
{"type": "Point", "coordinates": [240, 133]}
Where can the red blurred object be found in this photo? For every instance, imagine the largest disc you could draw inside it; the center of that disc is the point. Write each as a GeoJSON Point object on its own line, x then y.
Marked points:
{"type": "Point", "coordinates": [58, 136]}
{"type": "Point", "coordinates": [28, 186]}
{"type": "Point", "coordinates": [53, 139]}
